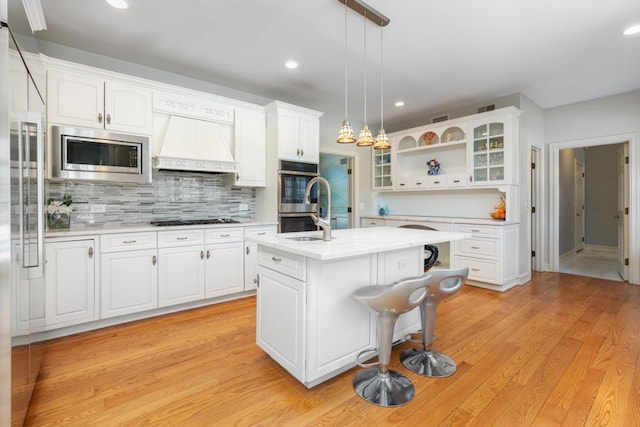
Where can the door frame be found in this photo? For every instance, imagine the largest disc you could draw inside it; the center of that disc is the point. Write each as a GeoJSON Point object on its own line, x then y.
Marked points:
{"type": "Point", "coordinates": [633, 140]}
{"type": "Point", "coordinates": [579, 193]}
{"type": "Point", "coordinates": [623, 219]}
{"type": "Point", "coordinates": [352, 159]}
{"type": "Point", "coordinates": [536, 205]}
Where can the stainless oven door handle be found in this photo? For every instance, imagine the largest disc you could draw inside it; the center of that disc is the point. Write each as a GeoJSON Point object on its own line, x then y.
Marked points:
{"type": "Point", "coordinates": [284, 172]}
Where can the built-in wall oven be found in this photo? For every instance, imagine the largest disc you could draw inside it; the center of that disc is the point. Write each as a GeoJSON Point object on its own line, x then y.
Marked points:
{"type": "Point", "coordinates": [294, 213]}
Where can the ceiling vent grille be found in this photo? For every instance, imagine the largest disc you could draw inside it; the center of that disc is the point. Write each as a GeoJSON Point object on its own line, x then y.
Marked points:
{"type": "Point", "coordinates": [484, 108]}
{"type": "Point", "coordinates": [438, 119]}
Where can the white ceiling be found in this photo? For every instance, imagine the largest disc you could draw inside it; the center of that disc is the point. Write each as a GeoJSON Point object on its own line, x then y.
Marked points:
{"type": "Point", "coordinates": [437, 54]}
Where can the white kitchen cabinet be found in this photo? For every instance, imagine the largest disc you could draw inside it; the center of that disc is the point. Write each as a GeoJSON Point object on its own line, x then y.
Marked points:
{"type": "Point", "coordinates": [70, 282]}
{"type": "Point", "coordinates": [296, 130]}
{"type": "Point", "coordinates": [224, 271]}
{"type": "Point", "coordinates": [490, 254]}
{"type": "Point", "coordinates": [493, 148]}
{"type": "Point", "coordinates": [181, 266]}
{"type": "Point", "coordinates": [382, 178]}
{"type": "Point", "coordinates": [128, 273]}
{"type": "Point", "coordinates": [79, 99]}
{"type": "Point", "coordinates": [251, 254]}
{"type": "Point", "coordinates": [371, 222]}
{"type": "Point", "coordinates": [250, 148]}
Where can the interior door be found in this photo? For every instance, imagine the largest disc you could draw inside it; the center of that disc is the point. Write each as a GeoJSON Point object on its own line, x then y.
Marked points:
{"type": "Point", "coordinates": [579, 205]}
{"type": "Point", "coordinates": [622, 216]}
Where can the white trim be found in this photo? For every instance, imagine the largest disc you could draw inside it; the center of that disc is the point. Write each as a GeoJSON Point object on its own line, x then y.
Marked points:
{"type": "Point", "coordinates": [634, 197]}
{"type": "Point", "coordinates": [35, 15]}
{"type": "Point", "coordinates": [602, 248]}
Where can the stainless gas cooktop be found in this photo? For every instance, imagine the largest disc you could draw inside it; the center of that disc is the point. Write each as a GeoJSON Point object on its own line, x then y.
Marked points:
{"type": "Point", "coordinates": [194, 222]}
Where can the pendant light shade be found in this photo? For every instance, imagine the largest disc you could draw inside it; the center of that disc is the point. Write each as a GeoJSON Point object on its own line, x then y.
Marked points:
{"type": "Point", "coordinates": [365, 138]}
{"type": "Point", "coordinates": [346, 135]}
{"type": "Point", "coordinates": [382, 140]}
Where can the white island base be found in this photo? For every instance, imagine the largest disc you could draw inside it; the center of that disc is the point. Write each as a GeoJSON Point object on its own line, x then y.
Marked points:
{"type": "Point", "coordinates": [307, 320]}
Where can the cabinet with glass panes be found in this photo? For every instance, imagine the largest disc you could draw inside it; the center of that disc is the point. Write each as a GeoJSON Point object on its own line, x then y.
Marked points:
{"type": "Point", "coordinates": [382, 170]}
{"type": "Point", "coordinates": [492, 150]}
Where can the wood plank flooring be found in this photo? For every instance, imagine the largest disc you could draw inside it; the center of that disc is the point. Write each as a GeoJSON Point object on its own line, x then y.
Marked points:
{"type": "Point", "coordinates": [560, 350]}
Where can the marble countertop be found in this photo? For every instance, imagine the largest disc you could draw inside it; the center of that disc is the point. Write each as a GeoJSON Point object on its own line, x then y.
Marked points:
{"type": "Point", "coordinates": [92, 231]}
{"type": "Point", "coordinates": [447, 220]}
{"type": "Point", "coordinates": [356, 241]}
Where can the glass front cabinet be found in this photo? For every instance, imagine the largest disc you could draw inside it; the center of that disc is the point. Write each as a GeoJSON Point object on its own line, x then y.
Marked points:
{"type": "Point", "coordinates": [382, 170]}
{"type": "Point", "coordinates": [492, 149]}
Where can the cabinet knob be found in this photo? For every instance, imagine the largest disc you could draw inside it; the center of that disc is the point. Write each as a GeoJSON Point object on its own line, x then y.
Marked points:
{"type": "Point", "coordinates": [301, 152]}
{"type": "Point", "coordinates": [201, 254]}
{"type": "Point", "coordinates": [208, 254]}
{"type": "Point", "coordinates": [108, 119]}
{"type": "Point", "coordinates": [154, 260]}
{"type": "Point", "coordinates": [90, 252]}
{"type": "Point", "coordinates": [274, 259]}
{"type": "Point", "coordinates": [99, 117]}
{"type": "Point", "coordinates": [247, 250]}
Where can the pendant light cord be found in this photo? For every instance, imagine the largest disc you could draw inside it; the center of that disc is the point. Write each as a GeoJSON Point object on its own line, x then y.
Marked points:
{"type": "Point", "coordinates": [381, 81]}
{"type": "Point", "coordinates": [345, 62]}
{"type": "Point", "coordinates": [365, 67]}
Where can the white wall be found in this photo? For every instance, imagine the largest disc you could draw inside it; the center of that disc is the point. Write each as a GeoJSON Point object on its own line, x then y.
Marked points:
{"type": "Point", "coordinates": [601, 195]}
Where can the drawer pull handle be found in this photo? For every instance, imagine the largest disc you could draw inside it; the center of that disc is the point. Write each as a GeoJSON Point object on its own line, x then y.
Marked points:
{"type": "Point", "coordinates": [225, 235]}
{"type": "Point", "coordinates": [201, 254]}
{"type": "Point", "coordinates": [436, 182]}
{"type": "Point", "coordinates": [182, 238]}
{"type": "Point", "coordinates": [208, 254]}
{"type": "Point", "coordinates": [127, 242]}
{"type": "Point", "coordinates": [475, 269]}
{"type": "Point", "coordinates": [154, 260]}
{"type": "Point", "coordinates": [262, 233]}
{"type": "Point", "coordinates": [475, 231]}
{"type": "Point", "coordinates": [456, 181]}
{"type": "Point", "coordinates": [247, 250]}
{"type": "Point", "coordinates": [90, 252]}
{"type": "Point", "coordinates": [274, 259]}
{"type": "Point", "coordinates": [401, 185]}
{"type": "Point", "coordinates": [475, 247]}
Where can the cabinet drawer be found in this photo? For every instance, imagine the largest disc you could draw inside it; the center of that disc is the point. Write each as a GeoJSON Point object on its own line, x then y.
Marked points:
{"type": "Point", "coordinates": [127, 242]}
{"type": "Point", "coordinates": [478, 230]}
{"type": "Point", "coordinates": [457, 180]}
{"type": "Point", "coordinates": [219, 235]}
{"type": "Point", "coordinates": [404, 183]}
{"type": "Point", "coordinates": [419, 182]}
{"type": "Point", "coordinates": [372, 222]}
{"type": "Point", "coordinates": [283, 262]}
{"type": "Point", "coordinates": [483, 271]}
{"type": "Point", "coordinates": [437, 181]}
{"type": "Point", "coordinates": [476, 247]}
{"type": "Point", "coordinates": [169, 239]}
{"type": "Point", "coordinates": [268, 230]}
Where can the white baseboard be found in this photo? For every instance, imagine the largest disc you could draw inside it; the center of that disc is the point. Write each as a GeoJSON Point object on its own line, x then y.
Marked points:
{"type": "Point", "coordinates": [566, 256]}
{"type": "Point", "coordinates": [602, 248]}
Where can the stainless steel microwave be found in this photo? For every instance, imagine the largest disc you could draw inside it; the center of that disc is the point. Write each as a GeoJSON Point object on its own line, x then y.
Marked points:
{"type": "Point", "coordinates": [99, 155]}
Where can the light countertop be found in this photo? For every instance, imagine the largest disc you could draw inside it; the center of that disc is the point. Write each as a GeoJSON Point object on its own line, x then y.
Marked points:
{"type": "Point", "coordinates": [356, 241]}
{"type": "Point", "coordinates": [446, 220]}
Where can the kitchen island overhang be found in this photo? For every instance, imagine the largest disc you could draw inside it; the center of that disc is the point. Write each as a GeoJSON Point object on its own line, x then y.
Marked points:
{"type": "Point", "coordinates": [306, 319]}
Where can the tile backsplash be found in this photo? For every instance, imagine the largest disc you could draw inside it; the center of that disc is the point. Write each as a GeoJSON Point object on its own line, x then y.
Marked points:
{"type": "Point", "coordinates": [170, 195]}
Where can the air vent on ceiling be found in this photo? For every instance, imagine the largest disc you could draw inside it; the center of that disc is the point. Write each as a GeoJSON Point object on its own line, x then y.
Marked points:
{"type": "Point", "coordinates": [484, 108]}
{"type": "Point", "coordinates": [440, 119]}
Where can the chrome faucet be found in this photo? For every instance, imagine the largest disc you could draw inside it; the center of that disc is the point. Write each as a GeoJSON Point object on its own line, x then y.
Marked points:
{"type": "Point", "coordinates": [322, 222]}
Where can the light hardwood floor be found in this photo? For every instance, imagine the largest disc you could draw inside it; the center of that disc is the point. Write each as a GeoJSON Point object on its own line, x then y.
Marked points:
{"type": "Point", "coordinates": [560, 350]}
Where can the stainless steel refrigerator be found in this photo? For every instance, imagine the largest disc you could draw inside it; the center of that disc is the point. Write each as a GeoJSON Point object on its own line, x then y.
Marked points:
{"type": "Point", "coordinates": [22, 118]}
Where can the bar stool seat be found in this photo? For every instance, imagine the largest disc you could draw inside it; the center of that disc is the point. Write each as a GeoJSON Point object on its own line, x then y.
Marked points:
{"type": "Point", "coordinates": [425, 361]}
{"type": "Point", "coordinates": [382, 386]}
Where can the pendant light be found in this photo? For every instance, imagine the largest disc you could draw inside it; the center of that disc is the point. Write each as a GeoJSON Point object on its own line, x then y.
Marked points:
{"type": "Point", "coordinates": [346, 134]}
{"type": "Point", "coordinates": [382, 140]}
{"type": "Point", "coordinates": [365, 138]}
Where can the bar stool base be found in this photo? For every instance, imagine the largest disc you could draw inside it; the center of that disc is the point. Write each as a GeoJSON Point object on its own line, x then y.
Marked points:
{"type": "Point", "coordinates": [383, 389]}
{"type": "Point", "coordinates": [428, 363]}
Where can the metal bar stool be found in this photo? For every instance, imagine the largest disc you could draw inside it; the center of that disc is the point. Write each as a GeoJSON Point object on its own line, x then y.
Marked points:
{"type": "Point", "coordinates": [425, 361]}
{"type": "Point", "coordinates": [381, 385]}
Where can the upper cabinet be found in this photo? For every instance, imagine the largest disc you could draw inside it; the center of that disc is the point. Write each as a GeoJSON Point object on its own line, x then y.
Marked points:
{"type": "Point", "coordinates": [297, 131]}
{"type": "Point", "coordinates": [250, 148]}
{"type": "Point", "coordinates": [85, 100]}
{"type": "Point", "coordinates": [472, 151]}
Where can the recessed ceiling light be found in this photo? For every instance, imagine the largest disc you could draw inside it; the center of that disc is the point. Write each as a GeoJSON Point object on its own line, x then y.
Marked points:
{"type": "Point", "coordinates": [399, 104]}
{"type": "Point", "coordinates": [634, 29]}
{"type": "Point", "coordinates": [291, 64]}
{"type": "Point", "coordinates": [118, 4]}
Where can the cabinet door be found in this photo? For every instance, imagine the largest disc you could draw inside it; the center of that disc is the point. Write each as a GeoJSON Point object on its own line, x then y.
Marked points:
{"type": "Point", "coordinates": [70, 281]}
{"type": "Point", "coordinates": [250, 148]}
{"type": "Point", "coordinates": [127, 108]}
{"type": "Point", "coordinates": [250, 266]}
{"type": "Point", "coordinates": [180, 275]}
{"type": "Point", "coordinates": [288, 135]}
{"type": "Point", "coordinates": [225, 273]}
{"type": "Point", "coordinates": [489, 149]}
{"type": "Point", "coordinates": [129, 282]}
{"type": "Point", "coordinates": [382, 169]}
{"type": "Point", "coordinates": [309, 139]}
{"type": "Point", "coordinates": [280, 320]}
{"type": "Point", "coordinates": [75, 99]}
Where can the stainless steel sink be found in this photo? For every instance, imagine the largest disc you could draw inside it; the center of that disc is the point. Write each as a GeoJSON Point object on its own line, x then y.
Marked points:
{"type": "Point", "coordinates": [304, 238]}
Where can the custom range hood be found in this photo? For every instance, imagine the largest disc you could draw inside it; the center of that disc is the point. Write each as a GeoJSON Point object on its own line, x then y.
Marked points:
{"type": "Point", "coordinates": [195, 145]}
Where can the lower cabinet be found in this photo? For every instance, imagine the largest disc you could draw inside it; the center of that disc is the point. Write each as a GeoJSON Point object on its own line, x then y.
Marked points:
{"type": "Point", "coordinates": [70, 282]}
{"type": "Point", "coordinates": [224, 270]}
{"type": "Point", "coordinates": [180, 275]}
{"type": "Point", "coordinates": [251, 254]}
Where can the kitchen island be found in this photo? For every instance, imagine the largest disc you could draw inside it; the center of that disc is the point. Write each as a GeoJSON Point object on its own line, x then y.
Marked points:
{"type": "Point", "coordinates": [306, 318]}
